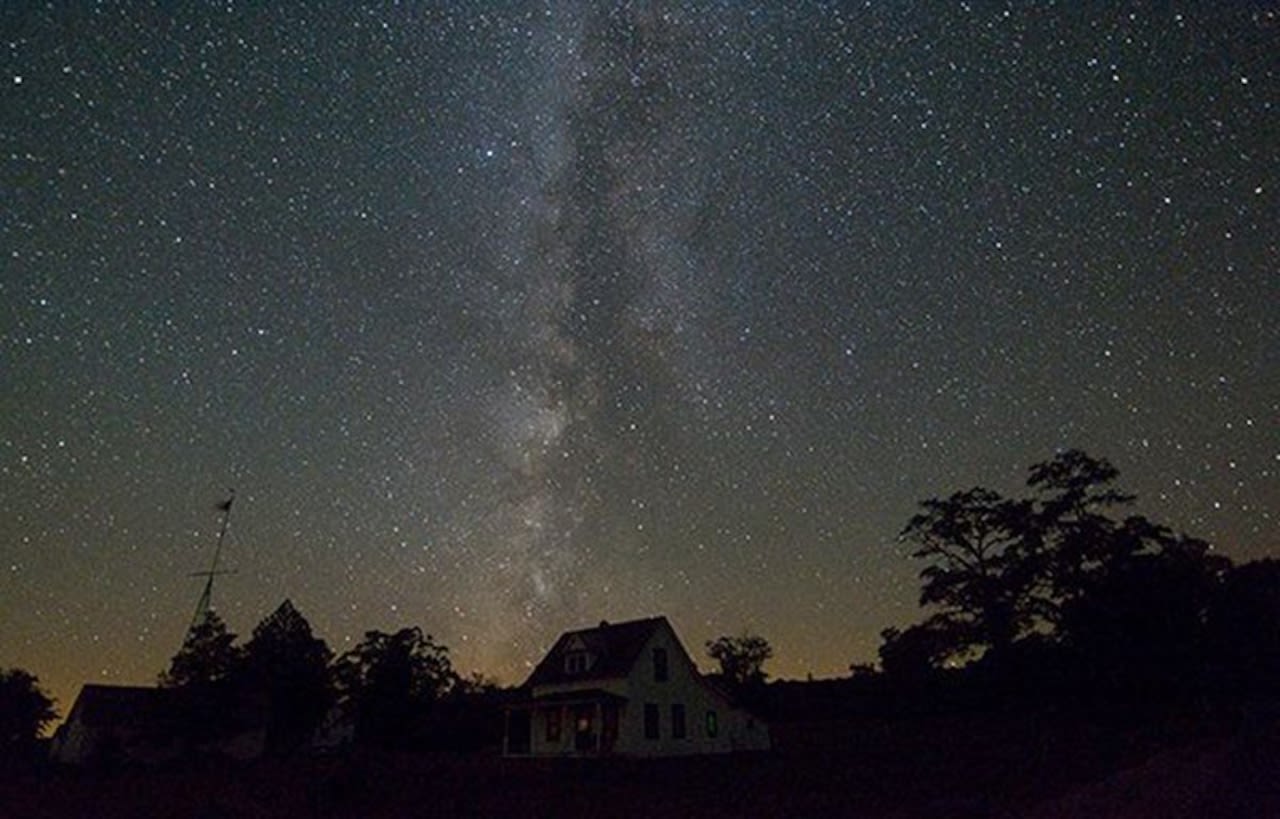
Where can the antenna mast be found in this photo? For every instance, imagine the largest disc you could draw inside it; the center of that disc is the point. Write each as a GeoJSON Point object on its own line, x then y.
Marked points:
{"type": "Point", "coordinates": [206, 597]}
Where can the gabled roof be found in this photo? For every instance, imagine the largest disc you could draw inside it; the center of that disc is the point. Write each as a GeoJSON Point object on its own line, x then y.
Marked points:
{"type": "Point", "coordinates": [615, 647]}
{"type": "Point", "coordinates": [107, 706]}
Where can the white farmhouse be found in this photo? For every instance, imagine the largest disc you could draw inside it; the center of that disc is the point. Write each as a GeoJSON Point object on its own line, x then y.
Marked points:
{"type": "Point", "coordinates": [629, 689]}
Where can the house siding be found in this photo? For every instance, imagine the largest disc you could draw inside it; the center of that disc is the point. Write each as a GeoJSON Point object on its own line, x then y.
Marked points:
{"type": "Point", "coordinates": [684, 686]}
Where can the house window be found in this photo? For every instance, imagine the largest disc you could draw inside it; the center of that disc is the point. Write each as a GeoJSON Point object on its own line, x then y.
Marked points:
{"type": "Point", "coordinates": [713, 724]}
{"type": "Point", "coordinates": [577, 662]}
{"type": "Point", "coordinates": [678, 730]}
{"type": "Point", "coordinates": [553, 725]}
{"type": "Point", "coordinates": [660, 669]}
{"type": "Point", "coordinates": [650, 721]}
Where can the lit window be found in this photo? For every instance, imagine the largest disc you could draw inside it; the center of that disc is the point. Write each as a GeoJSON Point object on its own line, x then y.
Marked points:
{"type": "Point", "coordinates": [713, 724]}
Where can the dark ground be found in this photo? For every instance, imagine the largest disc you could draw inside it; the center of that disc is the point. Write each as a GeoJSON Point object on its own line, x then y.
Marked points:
{"type": "Point", "coordinates": [1039, 766]}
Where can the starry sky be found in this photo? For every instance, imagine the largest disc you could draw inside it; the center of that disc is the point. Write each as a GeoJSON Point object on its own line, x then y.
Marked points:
{"type": "Point", "coordinates": [503, 319]}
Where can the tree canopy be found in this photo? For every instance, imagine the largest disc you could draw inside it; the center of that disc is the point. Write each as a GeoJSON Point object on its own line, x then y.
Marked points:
{"type": "Point", "coordinates": [741, 658]}
{"type": "Point", "coordinates": [25, 711]}
{"type": "Point", "coordinates": [1117, 593]}
{"type": "Point", "coordinates": [976, 576]}
{"type": "Point", "coordinates": [390, 681]}
{"type": "Point", "coordinates": [208, 655]}
{"type": "Point", "coordinates": [286, 680]}
{"type": "Point", "coordinates": [289, 666]}
{"type": "Point", "coordinates": [204, 676]}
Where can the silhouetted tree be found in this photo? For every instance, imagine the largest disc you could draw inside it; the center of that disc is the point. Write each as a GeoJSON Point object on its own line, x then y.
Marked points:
{"type": "Point", "coordinates": [390, 681]}
{"type": "Point", "coordinates": [1140, 623]}
{"type": "Point", "coordinates": [976, 577]}
{"type": "Point", "coordinates": [208, 655]}
{"type": "Point", "coordinates": [1126, 599]}
{"type": "Point", "coordinates": [289, 667]}
{"type": "Point", "coordinates": [1072, 537]}
{"type": "Point", "coordinates": [1129, 596]}
{"type": "Point", "coordinates": [25, 711]}
{"type": "Point", "coordinates": [916, 652]}
{"type": "Point", "coordinates": [1243, 629]}
{"type": "Point", "coordinates": [476, 684]}
{"type": "Point", "coordinates": [741, 658]}
{"type": "Point", "coordinates": [204, 675]}
{"type": "Point", "coordinates": [1076, 483]}
{"type": "Point", "coordinates": [469, 717]}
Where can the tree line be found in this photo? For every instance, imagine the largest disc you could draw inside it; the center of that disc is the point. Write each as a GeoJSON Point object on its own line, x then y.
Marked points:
{"type": "Point", "coordinates": [1066, 588]}
{"type": "Point", "coordinates": [393, 689]}
{"type": "Point", "coordinates": [1060, 593]}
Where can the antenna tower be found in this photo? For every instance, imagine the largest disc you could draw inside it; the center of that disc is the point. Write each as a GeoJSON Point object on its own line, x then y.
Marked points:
{"type": "Point", "coordinates": [206, 597]}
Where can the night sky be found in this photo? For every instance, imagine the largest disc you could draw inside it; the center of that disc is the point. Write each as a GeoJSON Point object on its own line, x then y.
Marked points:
{"type": "Point", "coordinates": [506, 319]}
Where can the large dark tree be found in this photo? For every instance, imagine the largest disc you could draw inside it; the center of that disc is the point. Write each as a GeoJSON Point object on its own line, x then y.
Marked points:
{"type": "Point", "coordinates": [1138, 622]}
{"type": "Point", "coordinates": [288, 666]}
{"type": "Point", "coordinates": [1130, 597]}
{"type": "Point", "coordinates": [1072, 532]}
{"type": "Point", "coordinates": [208, 655]}
{"type": "Point", "coordinates": [977, 580]}
{"type": "Point", "coordinates": [1243, 632]}
{"type": "Point", "coordinates": [204, 676]}
{"type": "Point", "coordinates": [1127, 599]}
{"type": "Point", "coordinates": [25, 711]}
{"type": "Point", "coordinates": [914, 653]}
{"type": "Point", "coordinates": [390, 682]}
{"type": "Point", "coordinates": [741, 658]}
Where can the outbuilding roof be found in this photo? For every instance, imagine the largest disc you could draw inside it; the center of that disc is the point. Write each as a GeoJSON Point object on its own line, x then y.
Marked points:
{"type": "Point", "coordinates": [104, 706]}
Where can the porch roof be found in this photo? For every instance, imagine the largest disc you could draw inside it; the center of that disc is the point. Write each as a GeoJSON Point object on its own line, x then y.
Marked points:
{"type": "Point", "coordinates": [581, 696]}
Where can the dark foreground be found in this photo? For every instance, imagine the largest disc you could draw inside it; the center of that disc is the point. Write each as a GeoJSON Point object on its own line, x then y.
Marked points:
{"type": "Point", "coordinates": [1036, 767]}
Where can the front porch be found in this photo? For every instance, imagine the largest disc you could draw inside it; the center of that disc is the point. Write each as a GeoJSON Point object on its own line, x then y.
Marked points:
{"type": "Point", "coordinates": [578, 723]}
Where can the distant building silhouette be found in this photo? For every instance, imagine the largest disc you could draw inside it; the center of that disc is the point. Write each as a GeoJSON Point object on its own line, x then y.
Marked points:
{"type": "Point", "coordinates": [628, 689]}
{"type": "Point", "coordinates": [117, 723]}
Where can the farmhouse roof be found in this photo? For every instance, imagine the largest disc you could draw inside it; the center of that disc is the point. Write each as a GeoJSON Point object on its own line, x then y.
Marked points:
{"type": "Point", "coordinates": [615, 647]}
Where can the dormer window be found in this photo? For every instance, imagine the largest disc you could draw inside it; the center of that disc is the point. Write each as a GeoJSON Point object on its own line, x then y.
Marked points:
{"type": "Point", "coordinates": [577, 662]}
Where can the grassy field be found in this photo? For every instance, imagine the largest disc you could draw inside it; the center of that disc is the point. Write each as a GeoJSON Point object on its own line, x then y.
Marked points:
{"type": "Point", "coordinates": [937, 767]}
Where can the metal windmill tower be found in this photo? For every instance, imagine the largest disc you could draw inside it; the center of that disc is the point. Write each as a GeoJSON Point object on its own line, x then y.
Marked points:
{"type": "Point", "coordinates": [206, 597]}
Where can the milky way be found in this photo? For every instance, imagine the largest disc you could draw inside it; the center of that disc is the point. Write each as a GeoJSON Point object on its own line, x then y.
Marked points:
{"type": "Point", "coordinates": [503, 321]}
